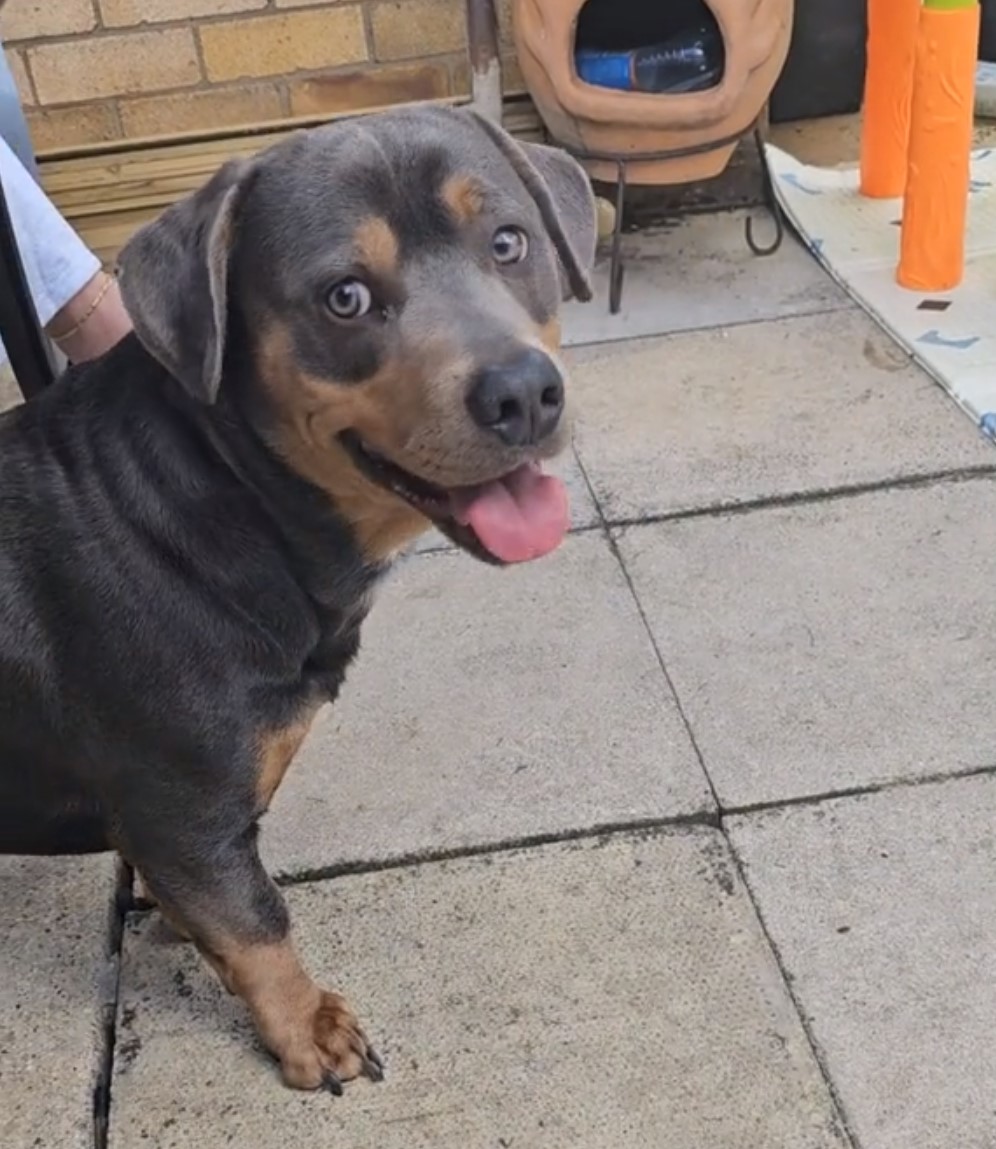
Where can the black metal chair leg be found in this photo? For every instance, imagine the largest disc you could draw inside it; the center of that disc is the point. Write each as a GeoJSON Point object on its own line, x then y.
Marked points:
{"type": "Point", "coordinates": [617, 267]}
{"type": "Point", "coordinates": [770, 202]}
{"type": "Point", "coordinates": [24, 341]}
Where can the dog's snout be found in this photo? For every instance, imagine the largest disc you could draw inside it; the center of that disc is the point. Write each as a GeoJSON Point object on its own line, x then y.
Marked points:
{"type": "Point", "coordinates": [520, 400]}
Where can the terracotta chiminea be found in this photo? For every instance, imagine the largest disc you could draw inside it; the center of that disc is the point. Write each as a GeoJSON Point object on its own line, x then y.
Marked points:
{"type": "Point", "coordinates": [593, 121]}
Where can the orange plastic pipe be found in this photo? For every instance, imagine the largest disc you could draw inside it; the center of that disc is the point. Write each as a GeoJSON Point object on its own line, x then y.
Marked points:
{"type": "Point", "coordinates": [892, 35]}
{"type": "Point", "coordinates": [935, 210]}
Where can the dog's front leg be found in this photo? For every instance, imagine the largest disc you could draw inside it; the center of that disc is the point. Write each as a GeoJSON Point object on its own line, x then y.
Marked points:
{"type": "Point", "coordinates": [226, 902]}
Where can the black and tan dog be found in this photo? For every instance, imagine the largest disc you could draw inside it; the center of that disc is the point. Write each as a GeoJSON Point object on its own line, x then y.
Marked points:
{"type": "Point", "coordinates": [337, 344]}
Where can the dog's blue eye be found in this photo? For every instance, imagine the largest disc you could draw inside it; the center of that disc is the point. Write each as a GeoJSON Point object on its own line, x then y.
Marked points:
{"type": "Point", "coordinates": [349, 299]}
{"type": "Point", "coordinates": [510, 245]}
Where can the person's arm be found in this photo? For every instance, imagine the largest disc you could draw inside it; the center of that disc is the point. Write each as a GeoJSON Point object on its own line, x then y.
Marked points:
{"type": "Point", "coordinates": [77, 302]}
{"type": "Point", "coordinates": [93, 320]}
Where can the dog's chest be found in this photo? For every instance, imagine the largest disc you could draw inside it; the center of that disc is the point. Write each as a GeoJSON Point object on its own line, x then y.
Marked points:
{"type": "Point", "coordinates": [338, 645]}
{"type": "Point", "coordinates": [339, 596]}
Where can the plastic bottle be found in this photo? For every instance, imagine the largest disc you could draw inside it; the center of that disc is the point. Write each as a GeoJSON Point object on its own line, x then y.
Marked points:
{"type": "Point", "coordinates": [689, 61]}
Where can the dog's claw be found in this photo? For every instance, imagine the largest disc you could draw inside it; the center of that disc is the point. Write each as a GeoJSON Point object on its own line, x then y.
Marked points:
{"type": "Point", "coordinates": [373, 1065]}
{"type": "Point", "coordinates": [333, 1083]}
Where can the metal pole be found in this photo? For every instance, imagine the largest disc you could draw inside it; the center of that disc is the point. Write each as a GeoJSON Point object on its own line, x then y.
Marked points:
{"type": "Point", "coordinates": [485, 60]}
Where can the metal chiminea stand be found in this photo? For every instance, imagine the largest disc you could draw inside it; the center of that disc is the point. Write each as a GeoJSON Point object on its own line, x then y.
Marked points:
{"type": "Point", "coordinates": [647, 138]}
{"type": "Point", "coordinates": [617, 264]}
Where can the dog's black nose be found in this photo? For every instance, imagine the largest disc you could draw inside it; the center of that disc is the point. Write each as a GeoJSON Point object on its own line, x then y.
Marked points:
{"type": "Point", "coordinates": [521, 400]}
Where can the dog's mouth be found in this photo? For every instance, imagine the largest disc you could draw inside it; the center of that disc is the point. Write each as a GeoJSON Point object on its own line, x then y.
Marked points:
{"type": "Point", "coordinates": [521, 516]}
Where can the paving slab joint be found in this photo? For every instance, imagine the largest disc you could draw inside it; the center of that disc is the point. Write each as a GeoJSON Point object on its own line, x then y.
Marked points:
{"type": "Point", "coordinates": [747, 808]}
{"type": "Point", "coordinates": [599, 833]}
{"type": "Point", "coordinates": [845, 1128]}
{"type": "Point", "coordinates": [973, 473]}
{"type": "Point", "coordinates": [613, 543]}
{"type": "Point", "coordinates": [593, 494]}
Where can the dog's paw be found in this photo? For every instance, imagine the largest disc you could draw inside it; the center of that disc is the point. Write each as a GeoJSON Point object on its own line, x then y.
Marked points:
{"type": "Point", "coordinates": [332, 1050]}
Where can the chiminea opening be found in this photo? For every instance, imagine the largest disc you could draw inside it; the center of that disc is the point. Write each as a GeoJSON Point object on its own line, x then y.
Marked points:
{"type": "Point", "coordinates": [661, 48]}
{"type": "Point", "coordinates": [599, 72]}
{"type": "Point", "coordinates": [667, 136]}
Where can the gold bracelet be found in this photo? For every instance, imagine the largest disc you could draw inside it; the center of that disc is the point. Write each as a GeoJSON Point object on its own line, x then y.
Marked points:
{"type": "Point", "coordinates": [87, 315]}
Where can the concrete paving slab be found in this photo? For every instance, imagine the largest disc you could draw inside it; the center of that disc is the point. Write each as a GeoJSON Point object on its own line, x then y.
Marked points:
{"type": "Point", "coordinates": [760, 410]}
{"type": "Point", "coordinates": [578, 996]}
{"type": "Point", "coordinates": [881, 908]}
{"type": "Point", "coordinates": [697, 273]}
{"type": "Point", "coordinates": [489, 706]}
{"type": "Point", "coordinates": [53, 952]}
{"type": "Point", "coordinates": [838, 644]}
{"type": "Point", "coordinates": [584, 513]}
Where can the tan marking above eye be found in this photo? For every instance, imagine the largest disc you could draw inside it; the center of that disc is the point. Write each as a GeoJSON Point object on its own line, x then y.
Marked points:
{"type": "Point", "coordinates": [377, 245]}
{"type": "Point", "coordinates": [464, 196]}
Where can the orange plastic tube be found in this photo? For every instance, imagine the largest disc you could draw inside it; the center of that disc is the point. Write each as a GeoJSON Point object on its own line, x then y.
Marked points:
{"type": "Point", "coordinates": [885, 122]}
{"type": "Point", "coordinates": [935, 210]}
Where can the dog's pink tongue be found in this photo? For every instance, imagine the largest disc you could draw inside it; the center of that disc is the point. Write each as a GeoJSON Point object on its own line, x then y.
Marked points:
{"type": "Point", "coordinates": [521, 517]}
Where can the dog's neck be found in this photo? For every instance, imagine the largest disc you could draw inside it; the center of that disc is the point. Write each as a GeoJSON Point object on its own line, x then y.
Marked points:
{"type": "Point", "coordinates": [216, 451]}
{"type": "Point", "coordinates": [320, 542]}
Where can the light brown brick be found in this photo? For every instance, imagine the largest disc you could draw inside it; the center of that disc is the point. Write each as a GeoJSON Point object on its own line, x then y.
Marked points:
{"type": "Point", "coordinates": [121, 12]}
{"type": "Point", "coordinates": [371, 88]}
{"type": "Point", "coordinates": [278, 45]}
{"type": "Point", "coordinates": [33, 19]}
{"type": "Point", "coordinates": [200, 110]}
{"type": "Point", "coordinates": [15, 61]}
{"type": "Point", "coordinates": [405, 29]}
{"type": "Point", "coordinates": [67, 127]}
{"type": "Point", "coordinates": [89, 69]}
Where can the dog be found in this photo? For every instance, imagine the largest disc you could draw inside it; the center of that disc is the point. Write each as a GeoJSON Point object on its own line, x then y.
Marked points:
{"type": "Point", "coordinates": [337, 344]}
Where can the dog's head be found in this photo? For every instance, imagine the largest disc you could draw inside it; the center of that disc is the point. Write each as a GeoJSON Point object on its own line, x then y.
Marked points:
{"type": "Point", "coordinates": [381, 295]}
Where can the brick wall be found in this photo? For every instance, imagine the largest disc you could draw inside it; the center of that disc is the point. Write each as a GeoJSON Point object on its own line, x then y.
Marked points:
{"type": "Point", "coordinates": [99, 70]}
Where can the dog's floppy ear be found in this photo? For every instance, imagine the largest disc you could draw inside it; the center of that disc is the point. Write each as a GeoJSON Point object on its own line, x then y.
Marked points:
{"type": "Point", "coordinates": [561, 191]}
{"type": "Point", "coordinates": [174, 280]}
{"type": "Point", "coordinates": [575, 202]}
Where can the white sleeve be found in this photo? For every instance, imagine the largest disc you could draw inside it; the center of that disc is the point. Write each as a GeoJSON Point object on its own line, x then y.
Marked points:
{"type": "Point", "coordinates": [57, 263]}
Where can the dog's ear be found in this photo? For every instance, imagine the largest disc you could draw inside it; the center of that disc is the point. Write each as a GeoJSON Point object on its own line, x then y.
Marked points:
{"type": "Point", "coordinates": [560, 188]}
{"type": "Point", "coordinates": [575, 203]}
{"type": "Point", "coordinates": [174, 280]}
